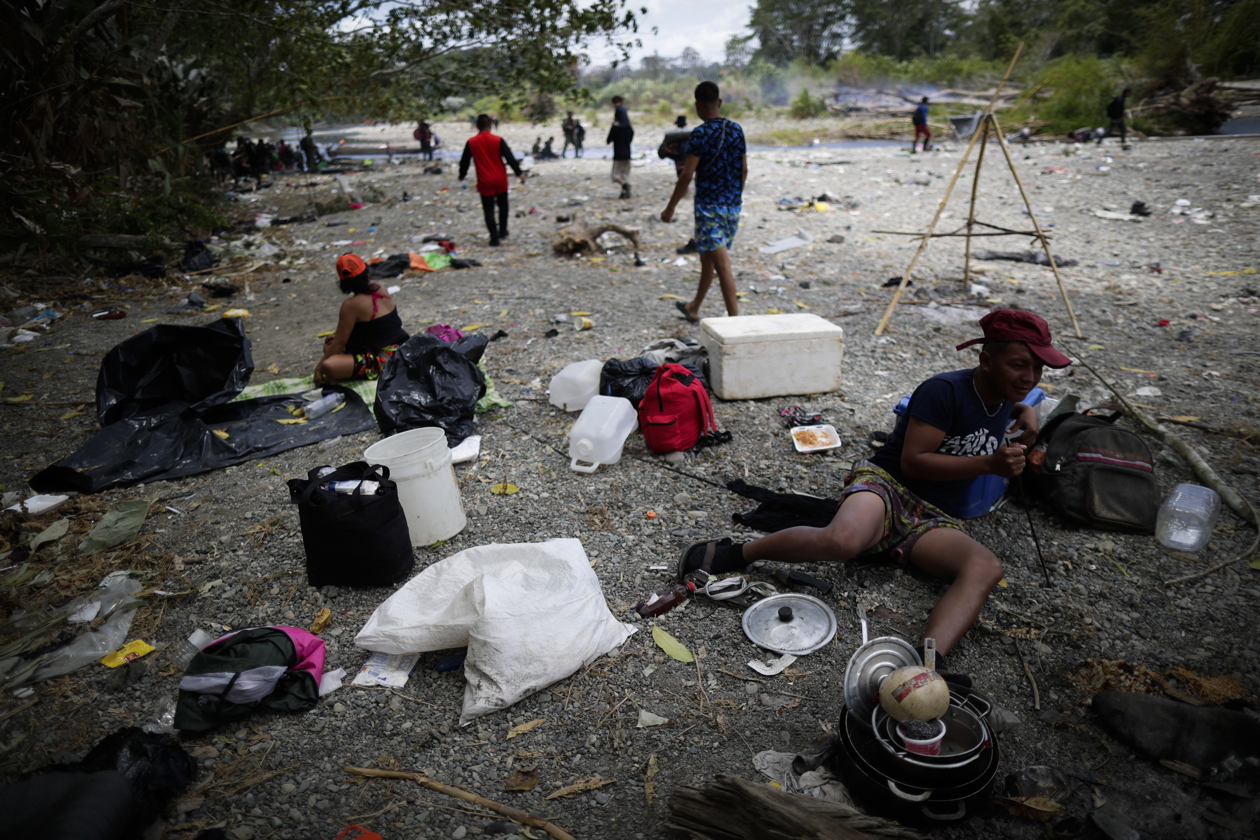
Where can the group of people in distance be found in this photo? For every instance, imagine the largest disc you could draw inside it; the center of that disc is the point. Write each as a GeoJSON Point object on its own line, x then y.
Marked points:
{"type": "Point", "coordinates": [252, 159]}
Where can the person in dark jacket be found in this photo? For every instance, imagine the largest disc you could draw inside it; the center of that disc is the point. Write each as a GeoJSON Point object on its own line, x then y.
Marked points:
{"type": "Point", "coordinates": [621, 135]}
{"type": "Point", "coordinates": [310, 151]}
{"type": "Point", "coordinates": [368, 328]}
{"type": "Point", "coordinates": [1115, 113]}
{"type": "Point", "coordinates": [489, 151]}
{"type": "Point", "coordinates": [424, 134]}
{"type": "Point", "coordinates": [919, 120]}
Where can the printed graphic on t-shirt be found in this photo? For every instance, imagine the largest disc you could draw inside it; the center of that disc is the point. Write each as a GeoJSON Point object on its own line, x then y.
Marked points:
{"type": "Point", "coordinates": [979, 442]}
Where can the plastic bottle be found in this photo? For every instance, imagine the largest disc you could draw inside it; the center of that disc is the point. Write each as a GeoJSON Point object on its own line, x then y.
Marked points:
{"type": "Point", "coordinates": [600, 432]}
{"type": "Point", "coordinates": [323, 405]}
{"type": "Point", "coordinates": [573, 387]}
{"type": "Point", "coordinates": [370, 488]}
{"type": "Point", "coordinates": [1187, 517]}
{"type": "Point", "coordinates": [182, 654]}
{"type": "Point", "coordinates": [162, 721]}
{"type": "Point", "coordinates": [665, 600]}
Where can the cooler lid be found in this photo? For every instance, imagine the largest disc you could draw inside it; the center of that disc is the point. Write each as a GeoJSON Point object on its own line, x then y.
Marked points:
{"type": "Point", "coordinates": [750, 329]}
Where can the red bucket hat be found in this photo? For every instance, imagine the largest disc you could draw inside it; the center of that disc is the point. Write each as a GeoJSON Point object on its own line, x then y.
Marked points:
{"type": "Point", "coordinates": [350, 265]}
{"type": "Point", "coordinates": [1019, 325]}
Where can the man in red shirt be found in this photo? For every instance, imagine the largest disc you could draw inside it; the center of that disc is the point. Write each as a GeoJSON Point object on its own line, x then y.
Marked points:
{"type": "Point", "coordinates": [489, 151]}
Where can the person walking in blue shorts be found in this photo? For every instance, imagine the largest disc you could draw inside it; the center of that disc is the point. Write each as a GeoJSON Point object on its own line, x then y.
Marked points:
{"type": "Point", "coordinates": [717, 159]}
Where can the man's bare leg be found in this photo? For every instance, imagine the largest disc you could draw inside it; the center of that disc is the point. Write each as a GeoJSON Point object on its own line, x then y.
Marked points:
{"type": "Point", "coordinates": [857, 525]}
{"type": "Point", "coordinates": [952, 555]}
{"type": "Point", "coordinates": [706, 280]}
{"type": "Point", "coordinates": [726, 279]}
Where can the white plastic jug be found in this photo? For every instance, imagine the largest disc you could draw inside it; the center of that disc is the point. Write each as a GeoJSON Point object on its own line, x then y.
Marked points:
{"type": "Point", "coordinates": [573, 387]}
{"type": "Point", "coordinates": [600, 432]}
{"type": "Point", "coordinates": [419, 460]}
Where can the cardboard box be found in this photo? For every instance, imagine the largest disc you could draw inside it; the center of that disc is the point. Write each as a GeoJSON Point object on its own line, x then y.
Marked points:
{"type": "Point", "coordinates": [755, 356]}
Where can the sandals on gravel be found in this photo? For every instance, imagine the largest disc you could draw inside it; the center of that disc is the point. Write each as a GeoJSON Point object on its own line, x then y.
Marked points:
{"type": "Point", "coordinates": [698, 557]}
{"type": "Point", "coordinates": [682, 307]}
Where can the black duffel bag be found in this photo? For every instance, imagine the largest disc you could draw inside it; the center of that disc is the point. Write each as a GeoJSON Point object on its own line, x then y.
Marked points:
{"type": "Point", "coordinates": [352, 539]}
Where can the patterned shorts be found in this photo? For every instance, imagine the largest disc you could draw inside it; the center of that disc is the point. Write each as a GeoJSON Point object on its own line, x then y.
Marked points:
{"type": "Point", "coordinates": [906, 516]}
{"type": "Point", "coordinates": [368, 365]}
{"type": "Point", "coordinates": [715, 226]}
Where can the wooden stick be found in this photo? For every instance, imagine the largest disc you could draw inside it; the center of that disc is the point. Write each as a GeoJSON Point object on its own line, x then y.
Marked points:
{"type": "Point", "coordinates": [905, 280]}
{"type": "Point", "coordinates": [971, 215]}
{"type": "Point", "coordinates": [514, 814]}
{"type": "Point", "coordinates": [1028, 673]}
{"type": "Point", "coordinates": [918, 234]}
{"type": "Point", "coordinates": [1032, 215]}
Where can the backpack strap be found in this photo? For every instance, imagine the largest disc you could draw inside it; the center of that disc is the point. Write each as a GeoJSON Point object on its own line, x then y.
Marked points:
{"type": "Point", "coordinates": [1117, 411]}
{"type": "Point", "coordinates": [711, 435]}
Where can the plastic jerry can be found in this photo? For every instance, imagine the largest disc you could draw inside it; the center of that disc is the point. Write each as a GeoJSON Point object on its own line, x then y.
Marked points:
{"type": "Point", "coordinates": [1187, 517]}
{"type": "Point", "coordinates": [600, 432]}
{"type": "Point", "coordinates": [572, 388]}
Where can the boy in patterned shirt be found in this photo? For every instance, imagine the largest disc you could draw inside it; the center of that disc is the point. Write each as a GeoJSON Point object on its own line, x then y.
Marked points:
{"type": "Point", "coordinates": [716, 157]}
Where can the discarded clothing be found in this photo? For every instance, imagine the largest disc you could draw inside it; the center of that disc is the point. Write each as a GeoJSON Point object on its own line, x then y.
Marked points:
{"type": "Point", "coordinates": [1034, 257]}
{"type": "Point", "coordinates": [390, 267]}
{"type": "Point", "coordinates": [778, 511]}
{"type": "Point", "coordinates": [197, 257]}
{"type": "Point", "coordinates": [802, 237]}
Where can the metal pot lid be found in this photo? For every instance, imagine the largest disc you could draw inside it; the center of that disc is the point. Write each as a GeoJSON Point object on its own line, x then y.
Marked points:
{"type": "Point", "coordinates": [790, 623]}
{"type": "Point", "coordinates": [868, 666]}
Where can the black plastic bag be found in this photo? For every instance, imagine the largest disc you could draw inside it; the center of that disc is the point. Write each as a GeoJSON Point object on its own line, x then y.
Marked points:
{"type": "Point", "coordinates": [199, 366]}
{"type": "Point", "coordinates": [429, 383]}
{"type": "Point", "coordinates": [153, 267]}
{"type": "Point", "coordinates": [630, 378]}
{"type": "Point", "coordinates": [197, 257]}
{"type": "Point", "coordinates": [390, 267]}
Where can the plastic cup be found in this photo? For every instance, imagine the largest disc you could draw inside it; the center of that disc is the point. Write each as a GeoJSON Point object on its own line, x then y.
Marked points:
{"type": "Point", "coordinates": [931, 746]}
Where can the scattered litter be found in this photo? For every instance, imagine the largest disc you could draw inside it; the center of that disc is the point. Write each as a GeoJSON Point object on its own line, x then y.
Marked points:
{"type": "Point", "coordinates": [1113, 215]}
{"type": "Point", "coordinates": [122, 522]}
{"type": "Point", "coordinates": [647, 719]}
{"type": "Point", "coordinates": [1149, 391]}
{"type": "Point", "coordinates": [36, 505]}
{"type": "Point", "coordinates": [951, 316]}
{"type": "Point", "coordinates": [330, 681]}
{"type": "Point", "coordinates": [236, 313]}
{"type": "Point", "coordinates": [802, 237]}
{"type": "Point", "coordinates": [1033, 257]}
{"type": "Point", "coordinates": [129, 652]}
{"type": "Point", "coordinates": [772, 666]}
{"type": "Point", "coordinates": [390, 670]}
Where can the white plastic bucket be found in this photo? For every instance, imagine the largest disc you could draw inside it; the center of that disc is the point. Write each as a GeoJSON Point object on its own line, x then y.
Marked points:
{"type": "Point", "coordinates": [420, 461]}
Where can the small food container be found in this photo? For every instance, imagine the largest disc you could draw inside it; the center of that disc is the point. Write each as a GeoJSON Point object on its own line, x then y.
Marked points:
{"type": "Point", "coordinates": [818, 438]}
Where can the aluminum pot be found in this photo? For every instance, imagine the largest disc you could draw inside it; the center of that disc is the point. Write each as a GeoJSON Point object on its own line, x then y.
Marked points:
{"type": "Point", "coordinates": [966, 737]}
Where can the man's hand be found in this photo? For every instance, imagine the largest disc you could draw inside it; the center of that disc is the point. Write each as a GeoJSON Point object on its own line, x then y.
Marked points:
{"type": "Point", "coordinates": [522, 180]}
{"type": "Point", "coordinates": [328, 340]}
{"type": "Point", "coordinates": [1008, 461]}
{"type": "Point", "coordinates": [1026, 424]}
{"type": "Point", "coordinates": [667, 215]}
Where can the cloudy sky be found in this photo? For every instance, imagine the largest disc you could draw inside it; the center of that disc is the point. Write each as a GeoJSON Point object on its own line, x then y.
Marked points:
{"type": "Point", "coordinates": [703, 24]}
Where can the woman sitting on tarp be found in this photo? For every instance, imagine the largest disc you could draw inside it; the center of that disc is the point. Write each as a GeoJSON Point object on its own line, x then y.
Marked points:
{"type": "Point", "coordinates": [368, 328]}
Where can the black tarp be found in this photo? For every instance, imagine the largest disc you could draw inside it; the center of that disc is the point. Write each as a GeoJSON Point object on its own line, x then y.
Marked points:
{"type": "Point", "coordinates": [429, 382]}
{"type": "Point", "coordinates": [144, 437]}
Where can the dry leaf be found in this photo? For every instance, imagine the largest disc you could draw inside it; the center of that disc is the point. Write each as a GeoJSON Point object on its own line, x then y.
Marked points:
{"type": "Point", "coordinates": [591, 783]}
{"type": "Point", "coordinates": [649, 786]}
{"type": "Point", "coordinates": [22, 399]}
{"type": "Point", "coordinates": [672, 647]}
{"type": "Point", "coordinates": [1036, 807]}
{"type": "Point", "coordinates": [1187, 418]}
{"type": "Point", "coordinates": [322, 619]}
{"type": "Point", "coordinates": [774, 311]}
{"type": "Point", "coordinates": [501, 489]}
{"type": "Point", "coordinates": [670, 297]}
{"type": "Point", "coordinates": [222, 433]}
{"type": "Point", "coordinates": [273, 368]}
{"type": "Point", "coordinates": [325, 334]}
{"type": "Point", "coordinates": [647, 719]}
{"type": "Point", "coordinates": [69, 414]}
{"type": "Point", "coordinates": [291, 422]}
{"type": "Point", "coordinates": [524, 727]}
{"type": "Point", "coordinates": [472, 327]}
{"type": "Point", "coordinates": [800, 305]}
{"type": "Point", "coordinates": [522, 780]}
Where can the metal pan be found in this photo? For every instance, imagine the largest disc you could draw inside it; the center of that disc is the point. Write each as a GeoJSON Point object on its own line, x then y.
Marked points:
{"type": "Point", "coordinates": [966, 737]}
{"type": "Point", "coordinates": [869, 664]}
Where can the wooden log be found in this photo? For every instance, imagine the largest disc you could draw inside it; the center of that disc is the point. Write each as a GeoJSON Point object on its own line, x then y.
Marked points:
{"type": "Point", "coordinates": [729, 808]}
{"type": "Point", "coordinates": [578, 237]}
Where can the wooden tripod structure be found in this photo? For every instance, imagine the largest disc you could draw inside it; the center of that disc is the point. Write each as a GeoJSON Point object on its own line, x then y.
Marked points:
{"type": "Point", "coordinates": [988, 125]}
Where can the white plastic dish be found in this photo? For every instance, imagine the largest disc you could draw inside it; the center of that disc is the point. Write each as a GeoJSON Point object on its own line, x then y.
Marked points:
{"type": "Point", "coordinates": [818, 438]}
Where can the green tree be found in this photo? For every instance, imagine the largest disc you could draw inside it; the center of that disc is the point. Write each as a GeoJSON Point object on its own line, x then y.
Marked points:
{"type": "Point", "coordinates": [905, 28]}
{"type": "Point", "coordinates": [788, 30]}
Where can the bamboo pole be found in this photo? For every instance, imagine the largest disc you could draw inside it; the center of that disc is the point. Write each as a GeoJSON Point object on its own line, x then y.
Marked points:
{"type": "Point", "coordinates": [975, 187]}
{"type": "Point", "coordinates": [514, 814]}
{"type": "Point", "coordinates": [901, 287]}
{"type": "Point", "coordinates": [1036, 224]}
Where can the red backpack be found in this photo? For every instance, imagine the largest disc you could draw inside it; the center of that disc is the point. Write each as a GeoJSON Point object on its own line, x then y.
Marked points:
{"type": "Point", "coordinates": [676, 414]}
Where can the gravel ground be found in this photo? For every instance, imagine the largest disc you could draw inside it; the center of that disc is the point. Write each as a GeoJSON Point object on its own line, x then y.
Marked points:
{"type": "Point", "coordinates": [234, 555]}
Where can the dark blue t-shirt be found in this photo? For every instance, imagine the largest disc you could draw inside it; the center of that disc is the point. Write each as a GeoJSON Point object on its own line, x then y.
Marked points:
{"type": "Point", "coordinates": [949, 402]}
{"type": "Point", "coordinates": [719, 143]}
{"type": "Point", "coordinates": [920, 115]}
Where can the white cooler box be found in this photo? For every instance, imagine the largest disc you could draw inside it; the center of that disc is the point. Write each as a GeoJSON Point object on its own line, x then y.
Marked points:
{"type": "Point", "coordinates": [754, 356]}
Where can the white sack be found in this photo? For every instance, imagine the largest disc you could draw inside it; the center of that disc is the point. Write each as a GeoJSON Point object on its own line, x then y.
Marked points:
{"type": "Point", "coordinates": [530, 614]}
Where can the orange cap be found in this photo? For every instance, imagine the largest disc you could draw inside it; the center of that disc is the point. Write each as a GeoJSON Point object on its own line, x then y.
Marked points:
{"type": "Point", "coordinates": [350, 265]}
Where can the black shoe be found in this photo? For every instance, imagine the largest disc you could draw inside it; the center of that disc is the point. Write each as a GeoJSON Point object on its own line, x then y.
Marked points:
{"type": "Point", "coordinates": [690, 248]}
{"type": "Point", "coordinates": [503, 234]}
{"type": "Point", "coordinates": [494, 242]}
{"type": "Point", "coordinates": [698, 558]}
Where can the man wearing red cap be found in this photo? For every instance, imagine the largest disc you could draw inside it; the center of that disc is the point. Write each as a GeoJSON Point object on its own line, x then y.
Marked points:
{"type": "Point", "coordinates": [489, 151]}
{"type": "Point", "coordinates": [903, 501]}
